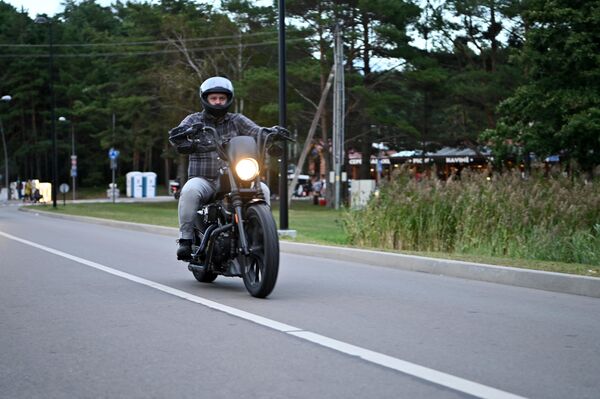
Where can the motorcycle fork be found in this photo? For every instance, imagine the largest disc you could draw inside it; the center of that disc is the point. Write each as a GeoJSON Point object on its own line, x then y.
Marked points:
{"type": "Point", "coordinates": [237, 203]}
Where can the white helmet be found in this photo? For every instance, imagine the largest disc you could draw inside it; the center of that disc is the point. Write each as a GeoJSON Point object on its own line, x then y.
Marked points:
{"type": "Point", "coordinates": [216, 84]}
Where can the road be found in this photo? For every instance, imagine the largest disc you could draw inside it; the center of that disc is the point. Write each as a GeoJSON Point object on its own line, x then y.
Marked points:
{"type": "Point", "coordinates": [96, 311]}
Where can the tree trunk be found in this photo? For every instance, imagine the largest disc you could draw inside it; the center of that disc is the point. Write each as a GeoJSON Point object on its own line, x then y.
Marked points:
{"type": "Point", "coordinates": [309, 137]}
{"type": "Point", "coordinates": [167, 167]}
{"type": "Point", "coordinates": [136, 160]}
{"type": "Point", "coordinates": [325, 164]}
{"type": "Point", "coordinates": [182, 169]}
{"type": "Point", "coordinates": [365, 166]}
{"type": "Point", "coordinates": [367, 47]}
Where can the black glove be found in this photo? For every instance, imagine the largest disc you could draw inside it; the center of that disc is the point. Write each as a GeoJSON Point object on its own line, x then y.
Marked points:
{"type": "Point", "coordinates": [178, 137]}
{"type": "Point", "coordinates": [187, 147]}
{"type": "Point", "coordinates": [283, 133]}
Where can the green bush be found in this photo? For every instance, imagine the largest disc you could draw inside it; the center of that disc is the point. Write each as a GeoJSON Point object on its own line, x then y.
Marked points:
{"type": "Point", "coordinates": [544, 218]}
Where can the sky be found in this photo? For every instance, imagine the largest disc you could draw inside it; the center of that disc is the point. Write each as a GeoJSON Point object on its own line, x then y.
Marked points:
{"type": "Point", "coordinates": [52, 7]}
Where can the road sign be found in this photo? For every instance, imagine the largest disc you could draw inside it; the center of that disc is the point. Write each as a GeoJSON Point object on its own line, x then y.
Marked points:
{"type": "Point", "coordinates": [64, 188]}
{"type": "Point", "coordinates": [113, 154]}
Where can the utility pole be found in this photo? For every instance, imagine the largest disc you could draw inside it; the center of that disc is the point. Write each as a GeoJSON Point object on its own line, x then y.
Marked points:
{"type": "Point", "coordinates": [338, 115]}
{"type": "Point", "coordinates": [73, 159]}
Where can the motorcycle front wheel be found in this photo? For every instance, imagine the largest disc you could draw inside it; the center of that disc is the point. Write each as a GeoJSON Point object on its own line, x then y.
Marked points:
{"type": "Point", "coordinates": [261, 266]}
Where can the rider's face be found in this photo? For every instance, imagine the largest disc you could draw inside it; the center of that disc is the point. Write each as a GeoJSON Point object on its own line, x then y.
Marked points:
{"type": "Point", "coordinates": [216, 98]}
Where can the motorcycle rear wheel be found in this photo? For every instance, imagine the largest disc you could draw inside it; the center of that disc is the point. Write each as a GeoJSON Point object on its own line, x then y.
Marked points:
{"type": "Point", "coordinates": [261, 266]}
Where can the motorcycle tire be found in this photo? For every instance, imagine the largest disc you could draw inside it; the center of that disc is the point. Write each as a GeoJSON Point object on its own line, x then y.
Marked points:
{"type": "Point", "coordinates": [261, 266]}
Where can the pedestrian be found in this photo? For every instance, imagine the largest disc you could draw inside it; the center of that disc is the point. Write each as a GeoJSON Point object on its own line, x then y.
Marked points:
{"type": "Point", "coordinates": [27, 191]}
{"type": "Point", "coordinates": [19, 189]}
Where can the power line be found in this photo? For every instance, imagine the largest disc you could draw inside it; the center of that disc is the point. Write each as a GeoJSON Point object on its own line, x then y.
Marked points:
{"type": "Point", "coordinates": [136, 53]}
{"type": "Point", "coordinates": [196, 39]}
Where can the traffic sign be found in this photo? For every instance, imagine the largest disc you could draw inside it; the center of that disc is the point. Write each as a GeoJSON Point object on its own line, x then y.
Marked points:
{"type": "Point", "coordinates": [113, 154]}
{"type": "Point", "coordinates": [64, 188]}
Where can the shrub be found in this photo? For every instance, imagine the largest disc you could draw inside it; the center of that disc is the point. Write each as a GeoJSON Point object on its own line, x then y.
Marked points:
{"type": "Point", "coordinates": [545, 218]}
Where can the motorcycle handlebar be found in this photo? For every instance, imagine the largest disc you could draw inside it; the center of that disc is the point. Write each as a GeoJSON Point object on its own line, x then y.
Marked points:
{"type": "Point", "coordinates": [193, 134]}
{"type": "Point", "coordinates": [279, 132]}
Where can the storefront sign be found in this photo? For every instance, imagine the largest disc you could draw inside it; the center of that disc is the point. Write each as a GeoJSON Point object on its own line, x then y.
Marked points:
{"type": "Point", "coordinates": [458, 159]}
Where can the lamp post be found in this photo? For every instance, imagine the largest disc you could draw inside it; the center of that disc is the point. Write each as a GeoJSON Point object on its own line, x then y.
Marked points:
{"type": "Point", "coordinates": [48, 21]}
{"type": "Point", "coordinates": [62, 119]}
{"type": "Point", "coordinates": [6, 99]}
{"type": "Point", "coordinates": [283, 189]}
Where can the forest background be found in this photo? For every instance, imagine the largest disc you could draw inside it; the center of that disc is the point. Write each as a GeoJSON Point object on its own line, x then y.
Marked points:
{"type": "Point", "coordinates": [521, 76]}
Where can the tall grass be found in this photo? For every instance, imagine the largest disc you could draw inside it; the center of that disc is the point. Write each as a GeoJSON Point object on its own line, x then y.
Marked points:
{"type": "Point", "coordinates": [554, 218]}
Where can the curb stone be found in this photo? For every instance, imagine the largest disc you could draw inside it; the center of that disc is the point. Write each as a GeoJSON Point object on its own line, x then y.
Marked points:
{"type": "Point", "coordinates": [527, 278]}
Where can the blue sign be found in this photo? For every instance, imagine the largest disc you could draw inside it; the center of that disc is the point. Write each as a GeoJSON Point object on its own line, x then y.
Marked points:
{"type": "Point", "coordinates": [113, 154]}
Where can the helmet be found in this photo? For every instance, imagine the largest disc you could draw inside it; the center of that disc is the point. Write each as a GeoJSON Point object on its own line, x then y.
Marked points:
{"type": "Point", "coordinates": [216, 84]}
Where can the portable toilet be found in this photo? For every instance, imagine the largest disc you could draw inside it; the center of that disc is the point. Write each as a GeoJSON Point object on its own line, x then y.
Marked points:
{"type": "Point", "coordinates": [134, 184]}
{"type": "Point", "coordinates": [149, 184]}
{"type": "Point", "coordinates": [45, 191]}
{"type": "Point", "coordinates": [128, 184]}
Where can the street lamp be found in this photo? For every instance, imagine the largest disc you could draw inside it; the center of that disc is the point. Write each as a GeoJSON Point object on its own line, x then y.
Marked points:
{"type": "Point", "coordinates": [283, 189]}
{"type": "Point", "coordinates": [62, 119]}
{"type": "Point", "coordinates": [48, 21]}
{"type": "Point", "coordinates": [6, 99]}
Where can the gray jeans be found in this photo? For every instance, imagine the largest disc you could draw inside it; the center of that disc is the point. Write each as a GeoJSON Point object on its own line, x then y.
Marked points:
{"type": "Point", "coordinates": [195, 193]}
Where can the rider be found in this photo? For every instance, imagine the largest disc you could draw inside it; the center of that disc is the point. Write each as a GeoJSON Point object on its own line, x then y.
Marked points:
{"type": "Point", "coordinates": [216, 96]}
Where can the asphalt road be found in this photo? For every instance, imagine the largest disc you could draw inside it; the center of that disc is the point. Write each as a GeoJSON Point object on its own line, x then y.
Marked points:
{"type": "Point", "coordinates": [95, 311]}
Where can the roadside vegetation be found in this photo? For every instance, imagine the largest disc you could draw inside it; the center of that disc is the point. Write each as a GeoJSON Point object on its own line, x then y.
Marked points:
{"type": "Point", "coordinates": [553, 219]}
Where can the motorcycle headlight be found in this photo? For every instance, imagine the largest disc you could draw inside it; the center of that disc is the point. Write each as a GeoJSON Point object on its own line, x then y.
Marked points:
{"type": "Point", "coordinates": [247, 169]}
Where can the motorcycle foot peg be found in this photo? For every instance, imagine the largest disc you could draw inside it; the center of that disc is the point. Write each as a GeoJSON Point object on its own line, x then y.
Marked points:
{"type": "Point", "coordinates": [196, 268]}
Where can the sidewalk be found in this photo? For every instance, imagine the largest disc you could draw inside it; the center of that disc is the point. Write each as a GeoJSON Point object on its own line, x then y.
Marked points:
{"type": "Point", "coordinates": [59, 202]}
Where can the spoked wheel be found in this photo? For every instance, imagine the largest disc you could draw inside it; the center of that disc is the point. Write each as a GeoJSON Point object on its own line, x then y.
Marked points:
{"type": "Point", "coordinates": [261, 266]}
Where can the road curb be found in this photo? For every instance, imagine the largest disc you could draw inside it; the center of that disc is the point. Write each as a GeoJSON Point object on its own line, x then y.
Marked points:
{"type": "Point", "coordinates": [541, 280]}
{"type": "Point", "coordinates": [547, 281]}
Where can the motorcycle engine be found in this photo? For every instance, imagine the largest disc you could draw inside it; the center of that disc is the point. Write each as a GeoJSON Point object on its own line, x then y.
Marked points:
{"type": "Point", "coordinates": [222, 248]}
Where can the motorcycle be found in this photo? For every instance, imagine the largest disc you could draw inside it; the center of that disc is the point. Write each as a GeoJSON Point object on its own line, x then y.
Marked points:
{"type": "Point", "coordinates": [235, 233]}
{"type": "Point", "coordinates": [174, 188]}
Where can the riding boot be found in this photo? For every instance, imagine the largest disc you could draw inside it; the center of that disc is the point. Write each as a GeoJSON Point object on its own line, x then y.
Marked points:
{"type": "Point", "coordinates": [184, 252]}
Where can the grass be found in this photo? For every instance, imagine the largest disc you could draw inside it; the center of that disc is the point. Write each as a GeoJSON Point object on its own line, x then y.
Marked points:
{"type": "Point", "coordinates": [313, 224]}
{"type": "Point", "coordinates": [157, 213]}
{"type": "Point", "coordinates": [550, 219]}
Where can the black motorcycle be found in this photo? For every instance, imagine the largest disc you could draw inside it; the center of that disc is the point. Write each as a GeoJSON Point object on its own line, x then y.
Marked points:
{"type": "Point", "coordinates": [235, 233]}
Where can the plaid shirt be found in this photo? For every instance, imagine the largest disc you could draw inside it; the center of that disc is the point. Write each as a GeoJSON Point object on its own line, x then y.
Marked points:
{"type": "Point", "coordinates": [206, 164]}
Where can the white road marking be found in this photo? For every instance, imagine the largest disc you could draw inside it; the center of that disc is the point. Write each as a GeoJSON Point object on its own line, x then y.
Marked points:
{"type": "Point", "coordinates": [424, 373]}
